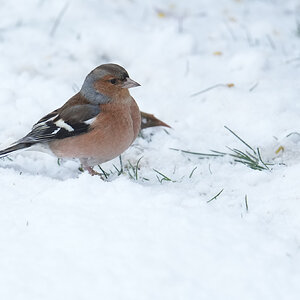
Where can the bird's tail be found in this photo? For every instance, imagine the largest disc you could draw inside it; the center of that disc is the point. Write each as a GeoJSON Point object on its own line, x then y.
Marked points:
{"type": "Point", "coordinates": [14, 148]}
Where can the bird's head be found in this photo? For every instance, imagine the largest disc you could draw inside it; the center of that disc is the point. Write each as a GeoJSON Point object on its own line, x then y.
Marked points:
{"type": "Point", "coordinates": [106, 82]}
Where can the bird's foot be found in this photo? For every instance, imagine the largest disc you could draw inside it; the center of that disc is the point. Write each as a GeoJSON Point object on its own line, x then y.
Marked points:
{"type": "Point", "coordinates": [93, 172]}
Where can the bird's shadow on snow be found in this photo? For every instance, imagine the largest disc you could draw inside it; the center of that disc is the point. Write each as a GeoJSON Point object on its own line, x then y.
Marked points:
{"type": "Point", "coordinates": [41, 164]}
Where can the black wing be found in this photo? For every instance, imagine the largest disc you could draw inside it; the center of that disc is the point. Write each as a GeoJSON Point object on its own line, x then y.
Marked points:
{"type": "Point", "coordinates": [69, 122]}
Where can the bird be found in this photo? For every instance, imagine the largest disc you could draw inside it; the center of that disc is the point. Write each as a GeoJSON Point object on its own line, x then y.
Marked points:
{"type": "Point", "coordinates": [95, 125]}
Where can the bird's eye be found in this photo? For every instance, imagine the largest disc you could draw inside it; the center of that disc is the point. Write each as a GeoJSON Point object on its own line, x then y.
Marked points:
{"type": "Point", "coordinates": [113, 81]}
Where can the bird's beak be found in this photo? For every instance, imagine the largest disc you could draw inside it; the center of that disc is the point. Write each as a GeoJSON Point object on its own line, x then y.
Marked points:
{"type": "Point", "coordinates": [129, 83]}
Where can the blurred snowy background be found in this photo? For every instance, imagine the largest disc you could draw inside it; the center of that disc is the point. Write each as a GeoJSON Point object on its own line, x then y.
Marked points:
{"type": "Point", "coordinates": [67, 235]}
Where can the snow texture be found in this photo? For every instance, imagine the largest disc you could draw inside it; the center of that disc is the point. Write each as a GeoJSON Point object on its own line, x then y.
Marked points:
{"type": "Point", "coordinates": [67, 235]}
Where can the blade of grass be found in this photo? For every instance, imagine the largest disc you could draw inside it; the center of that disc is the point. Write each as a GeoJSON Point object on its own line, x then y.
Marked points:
{"type": "Point", "coordinates": [131, 169]}
{"type": "Point", "coordinates": [246, 203]}
{"type": "Point", "coordinates": [240, 139]}
{"type": "Point", "coordinates": [137, 168]}
{"type": "Point", "coordinates": [117, 169]}
{"type": "Point", "coordinates": [229, 85]}
{"type": "Point", "coordinates": [191, 174]}
{"type": "Point", "coordinates": [219, 152]}
{"type": "Point", "coordinates": [207, 89]}
{"type": "Point", "coordinates": [254, 86]}
{"type": "Point", "coordinates": [164, 177]}
{"type": "Point", "coordinates": [58, 19]}
{"type": "Point", "coordinates": [121, 163]}
{"type": "Point", "coordinates": [104, 173]}
{"type": "Point", "coordinates": [195, 153]}
{"type": "Point", "coordinates": [258, 151]}
{"type": "Point", "coordinates": [215, 197]}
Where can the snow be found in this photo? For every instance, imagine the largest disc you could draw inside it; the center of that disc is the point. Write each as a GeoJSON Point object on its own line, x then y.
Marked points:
{"type": "Point", "coordinates": [67, 235]}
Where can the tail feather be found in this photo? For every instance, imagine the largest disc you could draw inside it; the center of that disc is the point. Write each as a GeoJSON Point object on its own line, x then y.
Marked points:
{"type": "Point", "coordinates": [148, 120]}
{"type": "Point", "coordinates": [14, 148]}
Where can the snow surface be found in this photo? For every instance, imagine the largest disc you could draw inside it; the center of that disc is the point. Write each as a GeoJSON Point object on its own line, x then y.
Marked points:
{"type": "Point", "coordinates": [67, 235]}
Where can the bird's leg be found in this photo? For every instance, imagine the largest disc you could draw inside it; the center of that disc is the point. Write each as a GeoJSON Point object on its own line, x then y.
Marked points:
{"type": "Point", "coordinates": [93, 172]}
{"type": "Point", "coordinates": [90, 169]}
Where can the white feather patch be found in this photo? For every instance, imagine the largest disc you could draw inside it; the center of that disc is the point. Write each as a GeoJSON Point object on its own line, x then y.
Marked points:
{"type": "Point", "coordinates": [90, 121]}
{"type": "Point", "coordinates": [56, 131]}
{"type": "Point", "coordinates": [44, 122]}
{"type": "Point", "coordinates": [62, 124]}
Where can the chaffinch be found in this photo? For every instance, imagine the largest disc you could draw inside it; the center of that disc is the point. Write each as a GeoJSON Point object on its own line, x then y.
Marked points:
{"type": "Point", "coordinates": [96, 125]}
